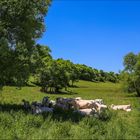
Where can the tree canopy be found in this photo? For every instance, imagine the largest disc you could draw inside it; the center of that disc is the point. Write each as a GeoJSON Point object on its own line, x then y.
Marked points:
{"type": "Point", "coordinates": [21, 24]}
{"type": "Point", "coordinates": [131, 73]}
{"type": "Point", "coordinates": [58, 74]}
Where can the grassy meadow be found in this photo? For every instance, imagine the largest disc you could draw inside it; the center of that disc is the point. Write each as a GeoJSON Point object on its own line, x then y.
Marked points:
{"type": "Point", "coordinates": [16, 123]}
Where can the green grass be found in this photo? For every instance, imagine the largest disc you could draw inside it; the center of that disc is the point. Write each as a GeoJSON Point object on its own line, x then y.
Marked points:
{"type": "Point", "coordinates": [15, 123]}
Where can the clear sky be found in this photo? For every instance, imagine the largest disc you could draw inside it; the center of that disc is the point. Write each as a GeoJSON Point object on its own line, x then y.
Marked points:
{"type": "Point", "coordinates": [95, 33]}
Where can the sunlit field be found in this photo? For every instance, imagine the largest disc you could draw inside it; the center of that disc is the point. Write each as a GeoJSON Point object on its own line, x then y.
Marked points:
{"type": "Point", "coordinates": [15, 122]}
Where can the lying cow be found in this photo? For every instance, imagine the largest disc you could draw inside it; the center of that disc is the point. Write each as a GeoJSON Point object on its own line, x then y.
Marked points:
{"type": "Point", "coordinates": [87, 112]}
{"type": "Point", "coordinates": [99, 107]}
{"type": "Point", "coordinates": [84, 104]}
{"type": "Point", "coordinates": [62, 106]}
{"type": "Point", "coordinates": [52, 103]}
{"type": "Point", "coordinates": [46, 101]}
{"type": "Point", "coordinates": [77, 103]}
{"type": "Point", "coordinates": [121, 107]}
{"type": "Point", "coordinates": [64, 103]}
{"type": "Point", "coordinates": [100, 101]}
{"type": "Point", "coordinates": [63, 100]}
{"type": "Point", "coordinates": [89, 104]}
{"type": "Point", "coordinates": [81, 104]}
{"type": "Point", "coordinates": [35, 103]}
{"type": "Point", "coordinates": [38, 110]}
{"type": "Point", "coordinates": [78, 98]}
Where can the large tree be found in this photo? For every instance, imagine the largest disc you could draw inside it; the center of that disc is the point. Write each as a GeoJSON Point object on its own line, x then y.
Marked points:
{"type": "Point", "coordinates": [21, 24]}
{"type": "Point", "coordinates": [57, 74]}
{"type": "Point", "coordinates": [131, 73]}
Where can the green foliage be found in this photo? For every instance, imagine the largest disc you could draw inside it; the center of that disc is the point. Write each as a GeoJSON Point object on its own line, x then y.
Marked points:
{"type": "Point", "coordinates": [129, 61]}
{"type": "Point", "coordinates": [90, 74]}
{"type": "Point", "coordinates": [21, 23]}
{"type": "Point", "coordinates": [131, 73]}
{"type": "Point", "coordinates": [56, 75]}
{"type": "Point", "coordinates": [39, 58]}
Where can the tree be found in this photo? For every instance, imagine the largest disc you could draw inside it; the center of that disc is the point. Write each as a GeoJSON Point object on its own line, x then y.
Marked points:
{"type": "Point", "coordinates": [58, 74]}
{"type": "Point", "coordinates": [39, 58]}
{"type": "Point", "coordinates": [112, 77]}
{"type": "Point", "coordinates": [54, 76]}
{"type": "Point", "coordinates": [130, 61]}
{"type": "Point", "coordinates": [131, 73]}
{"type": "Point", "coordinates": [21, 24]}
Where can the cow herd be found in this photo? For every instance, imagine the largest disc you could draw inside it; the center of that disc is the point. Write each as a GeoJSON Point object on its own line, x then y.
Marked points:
{"type": "Point", "coordinates": [77, 105]}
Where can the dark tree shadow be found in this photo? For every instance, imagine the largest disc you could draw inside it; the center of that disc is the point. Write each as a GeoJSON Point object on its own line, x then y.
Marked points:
{"type": "Point", "coordinates": [61, 115]}
{"type": "Point", "coordinates": [11, 107]}
{"type": "Point", "coordinates": [58, 114]}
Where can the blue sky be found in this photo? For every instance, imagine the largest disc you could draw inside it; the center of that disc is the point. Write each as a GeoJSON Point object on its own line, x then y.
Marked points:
{"type": "Point", "coordinates": [95, 33]}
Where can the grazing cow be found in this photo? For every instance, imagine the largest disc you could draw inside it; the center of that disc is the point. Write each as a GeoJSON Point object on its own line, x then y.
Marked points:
{"type": "Point", "coordinates": [121, 107]}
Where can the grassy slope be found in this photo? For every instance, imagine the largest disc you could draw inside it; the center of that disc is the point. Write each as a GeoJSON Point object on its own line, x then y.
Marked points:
{"type": "Point", "coordinates": [16, 123]}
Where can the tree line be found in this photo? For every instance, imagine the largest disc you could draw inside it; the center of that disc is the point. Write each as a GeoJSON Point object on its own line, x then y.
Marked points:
{"type": "Point", "coordinates": [54, 75]}
{"type": "Point", "coordinates": [21, 24]}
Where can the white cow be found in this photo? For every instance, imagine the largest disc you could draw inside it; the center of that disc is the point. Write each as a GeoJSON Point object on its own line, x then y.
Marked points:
{"type": "Point", "coordinates": [78, 98]}
{"type": "Point", "coordinates": [53, 103]}
{"type": "Point", "coordinates": [84, 104]}
{"type": "Point", "coordinates": [81, 104]}
{"type": "Point", "coordinates": [88, 112]}
{"type": "Point", "coordinates": [121, 107]}
{"type": "Point", "coordinates": [100, 101]}
{"type": "Point", "coordinates": [99, 107]}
